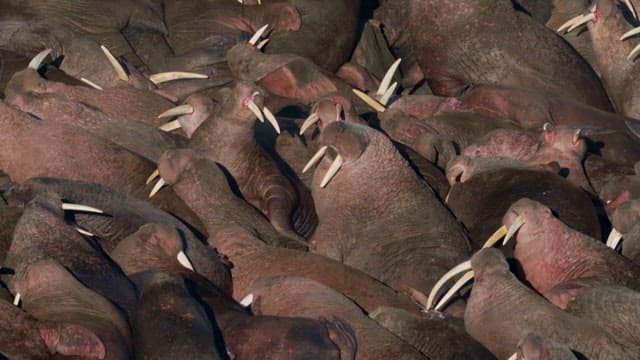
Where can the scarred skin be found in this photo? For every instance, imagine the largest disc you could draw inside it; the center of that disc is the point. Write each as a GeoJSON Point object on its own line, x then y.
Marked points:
{"type": "Point", "coordinates": [307, 298]}
{"type": "Point", "coordinates": [510, 49]}
{"type": "Point", "coordinates": [572, 262]}
{"type": "Point", "coordinates": [253, 260]}
{"type": "Point", "coordinates": [227, 137]}
{"type": "Point", "coordinates": [497, 292]}
{"type": "Point", "coordinates": [157, 246]}
{"type": "Point", "coordinates": [32, 147]}
{"type": "Point", "coordinates": [534, 347]}
{"type": "Point", "coordinates": [447, 338]}
{"type": "Point", "coordinates": [136, 136]}
{"type": "Point", "coordinates": [169, 323]}
{"type": "Point", "coordinates": [42, 233]}
{"type": "Point", "coordinates": [51, 293]}
{"type": "Point", "coordinates": [424, 236]}
{"type": "Point", "coordinates": [193, 178]}
{"type": "Point", "coordinates": [481, 202]}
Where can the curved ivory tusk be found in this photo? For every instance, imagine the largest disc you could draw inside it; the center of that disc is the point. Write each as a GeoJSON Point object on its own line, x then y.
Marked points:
{"type": "Point", "coordinates": [585, 19]}
{"type": "Point", "coordinates": [255, 110]}
{"type": "Point", "coordinates": [569, 23]}
{"type": "Point", "coordinates": [262, 43]}
{"type": "Point", "coordinates": [170, 126]}
{"type": "Point", "coordinates": [513, 357]}
{"type": "Point", "coordinates": [151, 177]}
{"type": "Point", "coordinates": [369, 100]}
{"type": "Point", "coordinates": [333, 170]}
{"type": "Point", "coordinates": [614, 238]}
{"type": "Point", "coordinates": [547, 126]}
{"type": "Point", "coordinates": [464, 279]}
{"type": "Point", "coordinates": [630, 33]}
{"type": "Point", "coordinates": [122, 74]}
{"type": "Point", "coordinates": [177, 111]}
{"type": "Point", "coordinates": [34, 64]}
{"type": "Point", "coordinates": [517, 224]}
{"type": "Point", "coordinates": [316, 157]}
{"type": "Point", "coordinates": [384, 100]}
{"type": "Point", "coordinates": [386, 80]}
{"type": "Point", "coordinates": [83, 231]}
{"type": "Point", "coordinates": [499, 234]}
{"type": "Point", "coordinates": [91, 83]}
{"type": "Point", "coordinates": [175, 75]}
{"type": "Point", "coordinates": [312, 119]}
{"type": "Point", "coordinates": [16, 300]}
{"type": "Point", "coordinates": [631, 9]}
{"type": "Point", "coordinates": [634, 52]}
{"type": "Point", "coordinates": [247, 300]}
{"type": "Point", "coordinates": [184, 260]}
{"type": "Point", "coordinates": [157, 188]}
{"type": "Point", "coordinates": [254, 39]}
{"type": "Point", "coordinates": [272, 119]}
{"type": "Point", "coordinates": [465, 266]}
{"type": "Point", "coordinates": [338, 112]}
{"type": "Point", "coordinates": [83, 208]}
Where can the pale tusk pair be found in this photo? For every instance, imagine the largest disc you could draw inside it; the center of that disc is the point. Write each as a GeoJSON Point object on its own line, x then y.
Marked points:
{"type": "Point", "coordinates": [385, 90]}
{"type": "Point", "coordinates": [313, 118]}
{"type": "Point", "coordinates": [176, 111]}
{"type": "Point", "coordinates": [333, 169]}
{"type": "Point", "coordinates": [81, 208]}
{"type": "Point", "coordinates": [575, 22]}
{"type": "Point", "coordinates": [254, 39]}
{"type": "Point", "coordinates": [267, 113]}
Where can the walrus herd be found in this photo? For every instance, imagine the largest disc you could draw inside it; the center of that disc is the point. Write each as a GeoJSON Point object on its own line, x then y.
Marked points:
{"type": "Point", "coordinates": [300, 179]}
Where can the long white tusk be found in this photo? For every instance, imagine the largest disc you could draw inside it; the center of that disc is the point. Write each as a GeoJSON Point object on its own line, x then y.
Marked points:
{"type": "Point", "coordinates": [464, 279]}
{"type": "Point", "coordinates": [254, 39]}
{"type": "Point", "coordinates": [585, 19]}
{"type": "Point", "coordinates": [369, 100]}
{"type": "Point", "coordinates": [569, 23]}
{"type": "Point", "coordinates": [247, 300]}
{"type": "Point", "coordinates": [501, 232]}
{"type": "Point", "coordinates": [513, 357]}
{"type": "Point", "coordinates": [614, 239]}
{"type": "Point", "coordinates": [630, 6]}
{"type": "Point", "coordinates": [333, 170]}
{"type": "Point", "coordinates": [116, 64]}
{"type": "Point", "coordinates": [177, 111]}
{"type": "Point", "coordinates": [630, 33]}
{"type": "Point", "coordinates": [91, 83]}
{"type": "Point", "coordinates": [384, 100]}
{"type": "Point", "coordinates": [386, 80]}
{"type": "Point", "coordinates": [151, 177]}
{"type": "Point", "coordinates": [184, 260]}
{"type": "Point", "coordinates": [316, 157]}
{"type": "Point", "coordinates": [634, 52]}
{"type": "Point", "coordinates": [312, 119]}
{"type": "Point", "coordinates": [175, 75]}
{"type": "Point", "coordinates": [517, 224]}
{"type": "Point", "coordinates": [156, 187]}
{"type": "Point", "coordinates": [83, 231]}
{"type": "Point", "coordinates": [465, 266]}
{"type": "Point", "coordinates": [262, 43]}
{"type": "Point", "coordinates": [83, 208]}
{"type": "Point", "coordinates": [38, 59]}
{"type": "Point", "coordinates": [272, 119]}
{"type": "Point", "coordinates": [16, 300]}
{"type": "Point", "coordinates": [255, 110]}
{"type": "Point", "coordinates": [170, 126]}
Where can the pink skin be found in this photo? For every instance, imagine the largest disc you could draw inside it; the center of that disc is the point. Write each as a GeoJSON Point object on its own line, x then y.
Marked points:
{"type": "Point", "coordinates": [558, 261]}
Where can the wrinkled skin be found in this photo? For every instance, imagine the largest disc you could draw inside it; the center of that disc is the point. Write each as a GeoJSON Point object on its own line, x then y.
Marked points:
{"type": "Point", "coordinates": [510, 49]}
{"type": "Point", "coordinates": [572, 261]}
{"type": "Point", "coordinates": [595, 306]}
{"type": "Point", "coordinates": [156, 247]}
{"type": "Point", "coordinates": [136, 136]}
{"type": "Point", "coordinates": [20, 335]}
{"type": "Point", "coordinates": [253, 260]}
{"type": "Point", "coordinates": [193, 178]}
{"type": "Point", "coordinates": [497, 292]}
{"type": "Point", "coordinates": [481, 202]}
{"type": "Point", "coordinates": [355, 231]}
{"type": "Point", "coordinates": [43, 233]}
{"type": "Point", "coordinates": [227, 138]}
{"type": "Point", "coordinates": [307, 298]}
{"type": "Point", "coordinates": [534, 347]}
{"type": "Point", "coordinates": [38, 148]}
{"type": "Point", "coordinates": [620, 189]}
{"type": "Point", "coordinates": [9, 216]}
{"type": "Point", "coordinates": [51, 293]}
{"type": "Point", "coordinates": [618, 74]}
{"type": "Point", "coordinates": [169, 323]}
{"type": "Point", "coordinates": [447, 338]}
